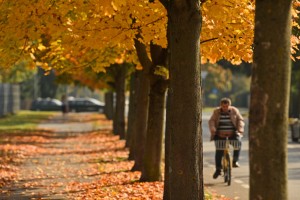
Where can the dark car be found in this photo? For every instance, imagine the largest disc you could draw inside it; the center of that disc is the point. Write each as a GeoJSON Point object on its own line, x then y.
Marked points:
{"type": "Point", "coordinates": [85, 105]}
{"type": "Point", "coordinates": [47, 104]}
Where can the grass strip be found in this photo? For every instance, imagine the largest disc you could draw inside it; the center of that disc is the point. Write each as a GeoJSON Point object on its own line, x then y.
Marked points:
{"type": "Point", "coordinates": [23, 120]}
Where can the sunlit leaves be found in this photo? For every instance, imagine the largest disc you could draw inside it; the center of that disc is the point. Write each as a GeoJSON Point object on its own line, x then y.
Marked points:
{"type": "Point", "coordinates": [227, 30]}
{"type": "Point", "coordinates": [86, 27]}
{"type": "Point", "coordinates": [162, 71]}
{"type": "Point", "coordinates": [92, 165]}
{"type": "Point", "coordinates": [61, 169]}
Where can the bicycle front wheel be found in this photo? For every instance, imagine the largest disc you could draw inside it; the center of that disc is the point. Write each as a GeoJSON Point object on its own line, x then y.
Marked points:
{"type": "Point", "coordinates": [228, 173]}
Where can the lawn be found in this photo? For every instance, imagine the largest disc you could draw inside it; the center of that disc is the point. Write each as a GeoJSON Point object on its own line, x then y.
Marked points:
{"type": "Point", "coordinates": [23, 120]}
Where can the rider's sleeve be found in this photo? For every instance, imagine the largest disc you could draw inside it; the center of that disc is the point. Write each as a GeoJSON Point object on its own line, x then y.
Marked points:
{"type": "Point", "coordinates": [240, 123]}
{"type": "Point", "coordinates": [212, 124]}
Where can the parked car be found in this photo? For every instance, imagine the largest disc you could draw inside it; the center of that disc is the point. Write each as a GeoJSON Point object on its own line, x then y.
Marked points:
{"type": "Point", "coordinates": [85, 105]}
{"type": "Point", "coordinates": [47, 104]}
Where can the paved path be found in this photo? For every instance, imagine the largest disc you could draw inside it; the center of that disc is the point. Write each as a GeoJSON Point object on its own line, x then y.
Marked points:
{"type": "Point", "coordinates": [239, 188]}
{"type": "Point", "coordinates": [240, 183]}
{"type": "Point", "coordinates": [72, 123]}
{"type": "Point", "coordinates": [61, 159]}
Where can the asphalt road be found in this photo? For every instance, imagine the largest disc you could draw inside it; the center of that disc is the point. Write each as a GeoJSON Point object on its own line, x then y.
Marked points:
{"type": "Point", "coordinates": [239, 188]}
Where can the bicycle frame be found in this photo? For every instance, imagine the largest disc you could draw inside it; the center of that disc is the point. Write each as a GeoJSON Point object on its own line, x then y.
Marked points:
{"type": "Point", "coordinates": [226, 163]}
{"type": "Point", "coordinates": [226, 159]}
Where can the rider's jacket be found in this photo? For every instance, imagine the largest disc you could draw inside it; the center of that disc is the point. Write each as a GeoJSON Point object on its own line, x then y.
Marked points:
{"type": "Point", "coordinates": [235, 117]}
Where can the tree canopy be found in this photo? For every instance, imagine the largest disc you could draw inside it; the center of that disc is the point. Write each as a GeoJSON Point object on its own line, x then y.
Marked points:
{"type": "Point", "coordinates": [83, 32]}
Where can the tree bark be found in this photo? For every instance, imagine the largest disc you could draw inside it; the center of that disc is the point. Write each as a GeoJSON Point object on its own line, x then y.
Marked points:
{"type": "Point", "coordinates": [156, 118]}
{"type": "Point", "coordinates": [167, 190]}
{"type": "Point", "coordinates": [109, 105]}
{"type": "Point", "coordinates": [119, 115]}
{"type": "Point", "coordinates": [130, 135]}
{"type": "Point", "coordinates": [143, 89]}
{"type": "Point", "coordinates": [269, 100]}
{"type": "Point", "coordinates": [153, 150]}
{"type": "Point", "coordinates": [185, 176]}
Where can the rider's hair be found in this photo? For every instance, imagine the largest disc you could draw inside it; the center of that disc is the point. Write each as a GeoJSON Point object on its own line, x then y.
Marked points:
{"type": "Point", "coordinates": [225, 100]}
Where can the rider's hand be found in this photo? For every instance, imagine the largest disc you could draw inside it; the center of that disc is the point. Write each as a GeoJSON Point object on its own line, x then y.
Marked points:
{"type": "Point", "coordinates": [239, 134]}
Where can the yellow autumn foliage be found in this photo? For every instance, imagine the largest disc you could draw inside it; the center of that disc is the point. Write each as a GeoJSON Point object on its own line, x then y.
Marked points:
{"type": "Point", "coordinates": [98, 33]}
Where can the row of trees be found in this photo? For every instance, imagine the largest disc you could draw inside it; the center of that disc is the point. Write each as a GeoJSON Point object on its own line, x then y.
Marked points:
{"type": "Point", "coordinates": [78, 38]}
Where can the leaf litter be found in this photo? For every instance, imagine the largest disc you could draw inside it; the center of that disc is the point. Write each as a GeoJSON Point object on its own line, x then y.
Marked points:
{"type": "Point", "coordinates": [91, 165]}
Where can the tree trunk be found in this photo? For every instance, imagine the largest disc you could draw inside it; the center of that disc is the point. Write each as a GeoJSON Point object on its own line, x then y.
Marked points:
{"type": "Point", "coordinates": [184, 111]}
{"type": "Point", "coordinates": [269, 100]}
{"type": "Point", "coordinates": [119, 115]}
{"type": "Point", "coordinates": [141, 120]}
{"type": "Point", "coordinates": [130, 135]}
{"type": "Point", "coordinates": [156, 118]}
{"type": "Point", "coordinates": [143, 89]}
{"type": "Point", "coordinates": [167, 190]}
{"type": "Point", "coordinates": [109, 105]}
{"type": "Point", "coordinates": [153, 150]}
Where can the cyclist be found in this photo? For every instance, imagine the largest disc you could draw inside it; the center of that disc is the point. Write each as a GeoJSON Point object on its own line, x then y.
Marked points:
{"type": "Point", "coordinates": [226, 121]}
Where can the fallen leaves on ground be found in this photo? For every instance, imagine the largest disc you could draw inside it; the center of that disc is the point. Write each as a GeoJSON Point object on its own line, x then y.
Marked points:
{"type": "Point", "coordinates": [90, 165]}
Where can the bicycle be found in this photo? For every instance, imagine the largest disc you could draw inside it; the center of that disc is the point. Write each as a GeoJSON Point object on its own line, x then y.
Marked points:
{"type": "Point", "coordinates": [226, 159]}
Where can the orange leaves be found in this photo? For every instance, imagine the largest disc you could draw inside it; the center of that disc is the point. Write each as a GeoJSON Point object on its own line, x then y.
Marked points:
{"type": "Point", "coordinates": [117, 4]}
{"type": "Point", "coordinates": [10, 155]}
{"type": "Point", "coordinates": [295, 39]}
{"type": "Point", "coordinates": [149, 191]}
{"type": "Point", "coordinates": [117, 186]}
{"type": "Point", "coordinates": [295, 11]}
{"type": "Point", "coordinates": [88, 166]}
{"type": "Point", "coordinates": [115, 23]}
{"type": "Point", "coordinates": [227, 30]}
{"type": "Point", "coordinates": [294, 45]}
{"type": "Point", "coordinates": [151, 19]}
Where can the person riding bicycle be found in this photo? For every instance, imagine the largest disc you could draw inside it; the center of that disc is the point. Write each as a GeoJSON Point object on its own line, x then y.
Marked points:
{"type": "Point", "coordinates": [226, 121]}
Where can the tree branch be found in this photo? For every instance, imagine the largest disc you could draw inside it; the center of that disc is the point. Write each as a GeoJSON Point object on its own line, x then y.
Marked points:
{"type": "Point", "coordinates": [201, 42]}
{"type": "Point", "coordinates": [142, 55]}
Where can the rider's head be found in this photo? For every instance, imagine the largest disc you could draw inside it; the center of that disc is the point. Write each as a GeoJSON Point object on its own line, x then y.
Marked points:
{"type": "Point", "coordinates": [225, 103]}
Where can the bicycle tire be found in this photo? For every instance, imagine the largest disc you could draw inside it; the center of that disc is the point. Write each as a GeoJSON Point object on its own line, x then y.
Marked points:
{"type": "Point", "coordinates": [226, 177]}
{"type": "Point", "coordinates": [225, 170]}
{"type": "Point", "coordinates": [228, 169]}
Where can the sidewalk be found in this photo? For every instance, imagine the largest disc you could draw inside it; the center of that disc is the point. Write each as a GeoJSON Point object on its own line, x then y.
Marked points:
{"type": "Point", "coordinates": [75, 123]}
{"type": "Point", "coordinates": [76, 157]}
{"type": "Point", "coordinates": [60, 157]}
